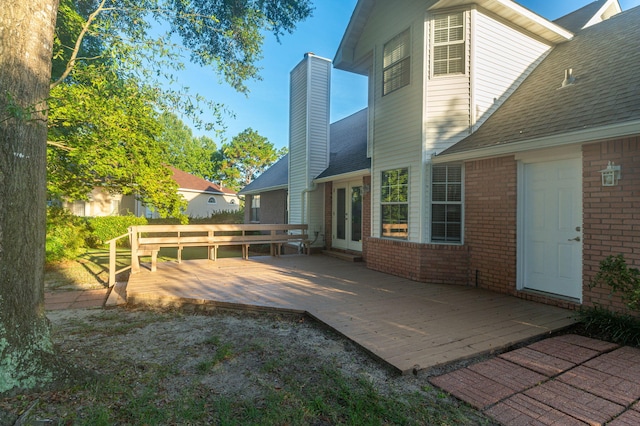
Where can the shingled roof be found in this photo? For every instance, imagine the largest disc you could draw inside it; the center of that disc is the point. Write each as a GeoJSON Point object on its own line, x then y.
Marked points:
{"type": "Point", "coordinates": [605, 59]}
{"type": "Point", "coordinates": [348, 154]}
{"type": "Point", "coordinates": [194, 183]}
{"type": "Point", "coordinates": [576, 20]}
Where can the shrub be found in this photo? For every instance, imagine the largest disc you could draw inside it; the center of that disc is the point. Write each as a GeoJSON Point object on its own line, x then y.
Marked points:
{"type": "Point", "coordinates": [222, 216]}
{"type": "Point", "coordinates": [66, 235]}
{"type": "Point", "coordinates": [623, 279]}
{"type": "Point", "coordinates": [105, 228]}
{"type": "Point", "coordinates": [619, 328]}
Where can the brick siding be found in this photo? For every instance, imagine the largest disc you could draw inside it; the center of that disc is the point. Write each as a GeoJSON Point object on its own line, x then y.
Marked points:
{"type": "Point", "coordinates": [611, 214]}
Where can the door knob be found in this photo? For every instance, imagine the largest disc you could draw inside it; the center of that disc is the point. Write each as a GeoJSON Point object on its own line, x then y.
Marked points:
{"type": "Point", "coordinates": [574, 239]}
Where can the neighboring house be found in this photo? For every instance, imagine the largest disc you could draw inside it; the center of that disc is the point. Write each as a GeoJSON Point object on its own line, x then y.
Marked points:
{"type": "Point", "coordinates": [488, 128]}
{"type": "Point", "coordinates": [204, 198]}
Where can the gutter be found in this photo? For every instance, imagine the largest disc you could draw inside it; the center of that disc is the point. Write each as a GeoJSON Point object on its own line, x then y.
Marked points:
{"type": "Point", "coordinates": [588, 135]}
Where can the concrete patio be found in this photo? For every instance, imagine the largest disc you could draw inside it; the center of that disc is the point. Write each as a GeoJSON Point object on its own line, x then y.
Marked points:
{"type": "Point", "coordinates": [409, 325]}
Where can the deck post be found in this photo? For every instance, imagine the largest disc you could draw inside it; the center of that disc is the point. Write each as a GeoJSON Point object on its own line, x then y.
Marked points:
{"type": "Point", "coordinates": [135, 261]}
{"type": "Point", "coordinates": [112, 263]}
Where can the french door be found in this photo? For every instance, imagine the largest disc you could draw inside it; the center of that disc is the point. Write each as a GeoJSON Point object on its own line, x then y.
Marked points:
{"type": "Point", "coordinates": [347, 215]}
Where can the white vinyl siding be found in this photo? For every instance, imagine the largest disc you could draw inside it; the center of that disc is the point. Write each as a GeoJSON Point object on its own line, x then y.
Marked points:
{"type": "Point", "coordinates": [447, 117]}
{"type": "Point", "coordinates": [308, 139]}
{"type": "Point", "coordinates": [395, 121]}
{"type": "Point", "coordinates": [503, 58]}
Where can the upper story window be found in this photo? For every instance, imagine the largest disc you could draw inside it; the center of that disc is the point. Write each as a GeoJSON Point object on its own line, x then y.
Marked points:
{"type": "Point", "coordinates": [448, 44]}
{"type": "Point", "coordinates": [211, 200]}
{"type": "Point", "coordinates": [396, 63]}
{"type": "Point", "coordinates": [394, 193]}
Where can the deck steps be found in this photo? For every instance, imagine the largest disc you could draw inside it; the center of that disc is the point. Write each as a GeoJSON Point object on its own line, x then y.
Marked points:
{"type": "Point", "coordinates": [349, 257]}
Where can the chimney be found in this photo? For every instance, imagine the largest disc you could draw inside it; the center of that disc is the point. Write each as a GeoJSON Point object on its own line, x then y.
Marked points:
{"type": "Point", "coordinates": [310, 84]}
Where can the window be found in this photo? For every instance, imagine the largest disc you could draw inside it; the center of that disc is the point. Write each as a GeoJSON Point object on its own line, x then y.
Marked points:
{"type": "Point", "coordinates": [395, 203]}
{"type": "Point", "coordinates": [446, 204]}
{"type": "Point", "coordinates": [211, 200]}
{"type": "Point", "coordinates": [255, 208]}
{"type": "Point", "coordinates": [448, 44]}
{"type": "Point", "coordinates": [396, 63]}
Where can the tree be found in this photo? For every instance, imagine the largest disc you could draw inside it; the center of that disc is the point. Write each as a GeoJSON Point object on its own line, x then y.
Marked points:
{"type": "Point", "coordinates": [245, 158]}
{"type": "Point", "coordinates": [185, 151]}
{"type": "Point", "coordinates": [224, 34]}
{"type": "Point", "coordinates": [26, 42]}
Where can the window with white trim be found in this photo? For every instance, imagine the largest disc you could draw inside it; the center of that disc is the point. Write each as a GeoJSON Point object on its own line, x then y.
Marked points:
{"type": "Point", "coordinates": [396, 63]}
{"type": "Point", "coordinates": [448, 44]}
{"type": "Point", "coordinates": [394, 201]}
{"type": "Point", "coordinates": [446, 203]}
{"type": "Point", "coordinates": [211, 200]}
{"type": "Point", "coordinates": [255, 208]}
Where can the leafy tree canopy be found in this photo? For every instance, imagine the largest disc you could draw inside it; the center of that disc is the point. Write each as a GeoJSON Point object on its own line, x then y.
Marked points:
{"type": "Point", "coordinates": [245, 158]}
{"type": "Point", "coordinates": [110, 120]}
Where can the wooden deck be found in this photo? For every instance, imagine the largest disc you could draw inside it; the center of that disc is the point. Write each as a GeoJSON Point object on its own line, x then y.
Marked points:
{"type": "Point", "coordinates": [409, 325]}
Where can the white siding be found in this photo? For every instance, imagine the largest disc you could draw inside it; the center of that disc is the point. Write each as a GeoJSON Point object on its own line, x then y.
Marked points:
{"type": "Point", "coordinates": [309, 132]}
{"type": "Point", "coordinates": [395, 119]}
{"type": "Point", "coordinates": [448, 100]}
{"type": "Point", "coordinates": [503, 58]}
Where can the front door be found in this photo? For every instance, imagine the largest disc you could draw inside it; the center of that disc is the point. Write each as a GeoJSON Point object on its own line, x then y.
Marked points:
{"type": "Point", "coordinates": [347, 216]}
{"type": "Point", "coordinates": [551, 223]}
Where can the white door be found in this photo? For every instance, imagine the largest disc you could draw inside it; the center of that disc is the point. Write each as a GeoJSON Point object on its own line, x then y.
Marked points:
{"type": "Point", "coordinates": [551, 228]}
{"type": "Point", "coordinates": [347, 216]}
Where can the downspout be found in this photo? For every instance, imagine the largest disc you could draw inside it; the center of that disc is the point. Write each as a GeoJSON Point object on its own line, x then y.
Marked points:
{"type": "Point", "coordinates": [303, 198]}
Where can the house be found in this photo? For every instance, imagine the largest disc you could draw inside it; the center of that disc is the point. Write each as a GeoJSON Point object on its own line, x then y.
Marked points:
{"type": "Point", "coordinates": [503, 147]}
{"type": "Point", "coordinates": [204, 198]}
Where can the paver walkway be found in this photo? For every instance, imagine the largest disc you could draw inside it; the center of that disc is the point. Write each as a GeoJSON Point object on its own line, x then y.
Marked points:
{"type": "Point", "coordinates": [564, 380]}
{"type": "Point", "coordinates": [74, 299]}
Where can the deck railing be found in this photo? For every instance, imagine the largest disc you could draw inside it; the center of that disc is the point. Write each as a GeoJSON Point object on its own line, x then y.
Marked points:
{"type": "Point", "coordinates": [147, 240]}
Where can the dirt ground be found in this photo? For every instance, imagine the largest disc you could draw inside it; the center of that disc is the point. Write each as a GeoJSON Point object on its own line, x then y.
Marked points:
{"type": "Point", "coordinates": [237, 355]}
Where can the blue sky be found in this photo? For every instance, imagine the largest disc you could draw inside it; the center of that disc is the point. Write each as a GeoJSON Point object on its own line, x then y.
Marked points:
{"type": "Point", "coordinates": [266, 109]}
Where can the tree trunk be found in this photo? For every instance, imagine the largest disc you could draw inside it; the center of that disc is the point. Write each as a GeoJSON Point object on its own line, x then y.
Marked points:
{"type": "Point", "coordinates": [26, 40]}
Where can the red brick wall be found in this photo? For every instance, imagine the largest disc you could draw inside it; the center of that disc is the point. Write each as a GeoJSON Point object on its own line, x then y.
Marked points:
{"type": "Point", "coordinates": [611, 214]}
{"type": "Point", "coordinates": [433, 263]}
{"type": "Point", "coordinates": [491, 222]}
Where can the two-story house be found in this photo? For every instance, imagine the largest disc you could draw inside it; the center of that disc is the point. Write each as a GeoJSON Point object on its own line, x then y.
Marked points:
{"type": "Point", "coordinates": [489, 132]}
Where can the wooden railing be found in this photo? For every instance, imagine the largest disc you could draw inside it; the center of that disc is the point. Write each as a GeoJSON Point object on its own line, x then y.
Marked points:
{"type": "Point", "coordinates": [113, 254]}
{"type": "Point", "coordinates": [147, 240]}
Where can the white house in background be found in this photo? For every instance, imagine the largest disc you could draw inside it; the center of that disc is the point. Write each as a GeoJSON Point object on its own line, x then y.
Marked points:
{"type": "Point", "coordinates": [204, 199]}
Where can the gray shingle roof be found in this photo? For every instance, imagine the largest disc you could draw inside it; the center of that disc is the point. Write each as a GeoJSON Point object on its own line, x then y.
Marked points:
{"type": "Point", "coordinates": [605, 59]}
{"type": "Point", "coordinates": [576, 20]}
{"type": "Point", "coordinates": [348, 139]}
{"type": "Point", "coordinates": [348, 145]}
{"type": "Point", "coordinates": [275, 177]}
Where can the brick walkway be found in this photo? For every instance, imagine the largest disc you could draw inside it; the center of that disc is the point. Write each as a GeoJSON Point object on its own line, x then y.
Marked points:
{"type": "Point", "coordinates": [564, 380]}
{"type": "Point", "coordinates": [74, 299]}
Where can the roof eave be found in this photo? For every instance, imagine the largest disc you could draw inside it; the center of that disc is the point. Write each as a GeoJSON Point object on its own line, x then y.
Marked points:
{"type": "Point", "coordinates": [344, 58]}
{"type": "Point", "coordinates": [519, 15]}
{"type": "Point", "coordinates": [581, 136]}
{"type": "Point", "coordinates": [344, 176]}
{"type": "Point", "coordinates": [261, 190]}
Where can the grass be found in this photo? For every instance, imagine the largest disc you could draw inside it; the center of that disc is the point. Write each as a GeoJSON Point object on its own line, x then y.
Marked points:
{"type": "Point", "coordinates": [206, 371]}
{"type": "Point", "coordinates": [90, 271]}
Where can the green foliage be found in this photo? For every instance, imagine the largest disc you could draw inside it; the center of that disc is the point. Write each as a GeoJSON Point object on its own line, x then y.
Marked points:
{"type": "Point", "coordinates": [66, 235]}
{"type": "Point", "coordinates": [221, 216]}
{"type": "Point", "coordinates": [184, 151]}
{"type": "Point", "coordinates": [621, 278]}
{"type": "Point", "coordinates": [619, 328]}
{"type": "Point", "coordinates": [106, 228]}
{"type": "Point", "coordinates": [245, 158]}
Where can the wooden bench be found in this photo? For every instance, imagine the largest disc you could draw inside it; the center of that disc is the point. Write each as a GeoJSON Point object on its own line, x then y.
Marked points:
{"type": "Point", "coordinates": [147, 240]}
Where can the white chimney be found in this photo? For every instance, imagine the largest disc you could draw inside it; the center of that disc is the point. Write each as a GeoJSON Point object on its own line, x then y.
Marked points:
{"type": "Point", "coordinates": [310, 85]}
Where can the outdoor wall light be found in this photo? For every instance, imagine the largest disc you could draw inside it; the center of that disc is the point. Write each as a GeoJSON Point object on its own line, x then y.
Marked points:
{"type": "Point", "coordinates": [610, 175]}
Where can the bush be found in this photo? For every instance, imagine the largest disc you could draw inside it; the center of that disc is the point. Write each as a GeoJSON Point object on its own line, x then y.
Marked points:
{"type": "Point", "coordinates": [621, 278]}
{"type": "Point", "coordinates": [106, 228]}
{"type": "Point", "coordinates": [66, 235]}
{"type": "Point", "coordinates": [615, 327]}
{"type": "Point", "coordinates": [220, 217]}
